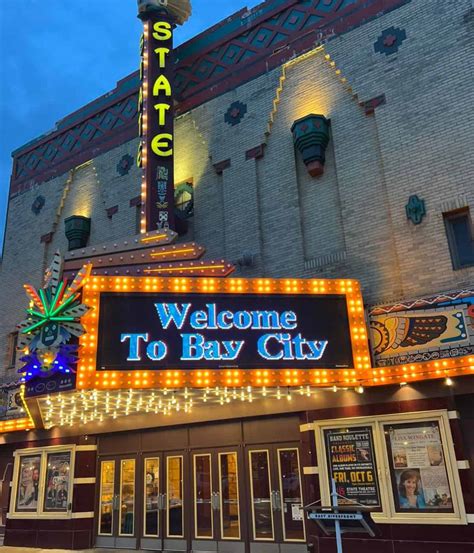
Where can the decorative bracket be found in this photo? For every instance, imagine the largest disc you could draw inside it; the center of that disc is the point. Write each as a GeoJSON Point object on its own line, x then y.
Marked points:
{"type": "Point", "coordinates": [415, 209]}
{"type": "Point", "coordinates": [311, 137]}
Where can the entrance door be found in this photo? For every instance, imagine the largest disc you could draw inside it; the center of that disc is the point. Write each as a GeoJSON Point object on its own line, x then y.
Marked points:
{"type": "Point", "coordinates": [218, 496]}
{"type": "Point", "coordinates": [275, 510]}
{"type": "Point", "coordinates": [163, 486]}
{"type": "Point", "coordinates": [117, 503]}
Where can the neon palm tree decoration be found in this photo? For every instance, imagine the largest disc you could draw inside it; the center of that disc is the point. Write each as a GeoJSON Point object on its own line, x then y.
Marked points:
{"type": "Point", "coordinates": [54, 316]}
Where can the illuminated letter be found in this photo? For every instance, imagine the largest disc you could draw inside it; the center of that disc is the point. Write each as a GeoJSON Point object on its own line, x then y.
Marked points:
{"type": "Point", "coordinates": [162, 83]}
{"type": "Point", "coordinates": [156, 351]}
{"type": "Point", "coordinates": [162, 30]}
{"type": "Point", "coordinates": [198, 320]}
{"type": "Point", "coordinates": [317, 348]}
{"type": "Point", "coordinates": [162, 141]}
{"type": "Point", "coordinates": [221, 317]}
{"type": "Point", "coordinates": [288, 320]}
{"type": "Point", "coordinates": [262, 347]}
{"type": "Point", "coordinates": [162, 52]}
{"type": "Point", "coordinates": [162, 109]}
{"type": "Point", "coordinates": [233, 348]}
{"type": "Point", "coordinates": [192, 347]}
{"type": "Point", "coordinates": [134, 348]}
{"type": "Point", "coordinates": [169, 312]}
{"type": "Point", "coordinates": [242, 320]}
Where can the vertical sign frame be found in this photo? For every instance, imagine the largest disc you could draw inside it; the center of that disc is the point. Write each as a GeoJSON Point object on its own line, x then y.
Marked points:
{"type": "Point", "coordinates": [156, 122]}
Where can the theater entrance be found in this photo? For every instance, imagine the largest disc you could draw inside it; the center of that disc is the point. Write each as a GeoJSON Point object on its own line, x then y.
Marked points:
{"type": "Point", "coordinates": [238, 498]}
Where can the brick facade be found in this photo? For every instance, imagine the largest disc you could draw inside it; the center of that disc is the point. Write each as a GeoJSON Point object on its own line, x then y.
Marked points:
{"type": "Point", "coordinates": [351, 221]}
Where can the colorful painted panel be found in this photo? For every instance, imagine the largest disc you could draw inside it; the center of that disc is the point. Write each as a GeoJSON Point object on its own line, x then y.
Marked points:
{"type": "Point", "coordinates": [407, 334]}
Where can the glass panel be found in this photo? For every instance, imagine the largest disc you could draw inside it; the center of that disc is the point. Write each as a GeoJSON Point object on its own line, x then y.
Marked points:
{"type": "Point", "coordinates": [28, 483]}
{"type": "Point", "coordinates": [127, 497]}
{"type": "Point", "coordinates": [291, 498]}
{"type": "Point", "coordinates": [152, 490]}
{"type": "Point", "coordinates": [202, 496]}
{"type": "Point", "coordinates": [229, 488]}
{"type": "Point", "coordinates": [56, 491]}
{"type": "Point", "coordinates": [351, 463]}
{"type": "Point", "coordinates": [462, 236]}
{"type": "Point", "coordinates": [107, 469]}
{"type": "Point", "coordinates": [417, 465]}
{"type": "Point", "coordinates": [174, 492]}
{"type": "Point", "coordinates": [261, 499]}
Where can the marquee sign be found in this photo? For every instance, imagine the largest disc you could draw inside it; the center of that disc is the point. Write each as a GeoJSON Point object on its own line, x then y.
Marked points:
{"type": "Point", "coordinates": [189, 331]}
{"type": "Point", "coordinates": [158, 332]}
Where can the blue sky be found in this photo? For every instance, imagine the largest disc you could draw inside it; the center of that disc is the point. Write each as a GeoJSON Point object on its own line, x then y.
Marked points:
{"type": "Point", "coordinates": [57, 55]}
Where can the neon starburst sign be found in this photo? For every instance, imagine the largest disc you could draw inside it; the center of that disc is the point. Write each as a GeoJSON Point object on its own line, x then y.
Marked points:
{"type": "Point", "coordinates": [54, 316]}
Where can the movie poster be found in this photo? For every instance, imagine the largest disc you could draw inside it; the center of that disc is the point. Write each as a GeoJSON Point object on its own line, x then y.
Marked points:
{"type": "Point", "coordinates": [351, 462]}
{"type": "Point", "coordinates": [57, 482]}
{"type": "Point", "coordinates": [28, 483]}
{"type": "Point", "coordinates": [417, 467]}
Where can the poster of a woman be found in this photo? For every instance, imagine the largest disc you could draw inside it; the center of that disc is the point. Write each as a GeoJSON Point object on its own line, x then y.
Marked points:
{"type": "Point", "coordinates": [410, 493]}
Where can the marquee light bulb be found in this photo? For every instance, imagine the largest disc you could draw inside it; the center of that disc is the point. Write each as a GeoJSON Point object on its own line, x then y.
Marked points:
{"type": "Point", "coordinates": [449, 381]}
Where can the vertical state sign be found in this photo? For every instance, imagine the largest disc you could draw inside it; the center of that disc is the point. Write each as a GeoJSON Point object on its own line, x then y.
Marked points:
{"type": "Point", "coordinates": [351, 462]}
{"type": "Point", "coordinates": [156, 123]}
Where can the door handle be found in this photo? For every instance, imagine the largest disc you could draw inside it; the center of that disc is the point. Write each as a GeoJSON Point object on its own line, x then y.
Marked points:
{"type": "Point", "coordinates": [273, 500]}
{"type": "Point", "coordinates": [162, 502]}
{"type": "Point", "coordinates": [278, 500]}
{"type": "Point", "coordinates": [215, 501]}
{"type": "Point", "coordinates": [115, 502]}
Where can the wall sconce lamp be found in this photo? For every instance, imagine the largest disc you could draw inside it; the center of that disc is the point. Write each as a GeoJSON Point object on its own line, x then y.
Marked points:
{"type": "Point", "coordinates": [311, 137]}
{"type": "Point", "coordinates": [78, 229]}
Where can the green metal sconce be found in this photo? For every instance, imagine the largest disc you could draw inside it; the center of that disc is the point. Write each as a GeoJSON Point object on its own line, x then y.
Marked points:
{"type": "Point", "coordinates": [311, 137]}
{"type": "Point", "coordinates": [78, 229]}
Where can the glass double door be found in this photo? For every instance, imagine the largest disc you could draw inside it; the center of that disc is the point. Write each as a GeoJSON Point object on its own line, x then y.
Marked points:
{"type": "Point", "coordinates": [276, 499]}
{"type": "Point", "coordinates": [218, 498]}
{"type": "Point", "coordinates": [230, 500]}
{"type": "Point", "coordinates": [116, 522]}
{"type": "Point", "coordinates": [248, 500]}
{"type": "Point", "coordinates": [141, 502]}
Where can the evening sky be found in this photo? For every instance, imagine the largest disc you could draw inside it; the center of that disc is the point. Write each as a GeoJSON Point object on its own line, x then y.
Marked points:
{"type": "Point", "coordinates": [58, 55]}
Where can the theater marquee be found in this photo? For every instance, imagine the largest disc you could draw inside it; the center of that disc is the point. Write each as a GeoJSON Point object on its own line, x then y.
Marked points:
{"type": "Point", "coordinates": [199, 332]}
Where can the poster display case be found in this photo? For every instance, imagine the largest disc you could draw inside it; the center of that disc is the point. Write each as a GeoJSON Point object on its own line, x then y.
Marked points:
{"type": "Point", "coordinates": [402, 465]}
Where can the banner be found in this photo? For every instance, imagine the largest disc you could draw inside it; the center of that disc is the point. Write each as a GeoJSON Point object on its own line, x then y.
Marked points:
{"type": "Point", "coordinates": [417, 467]}
{"type": "Point", "coordinates": [351, 463]}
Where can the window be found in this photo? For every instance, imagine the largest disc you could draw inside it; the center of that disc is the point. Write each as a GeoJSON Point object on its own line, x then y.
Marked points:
{"type": "Point", "coordinates": [460, 238]}
{"type": "Point", "coordinates": [404, 466]}
{"type": "Point", "coordinates": [12, 345]}
{"type": "Point", "coordinates": [42, 483]}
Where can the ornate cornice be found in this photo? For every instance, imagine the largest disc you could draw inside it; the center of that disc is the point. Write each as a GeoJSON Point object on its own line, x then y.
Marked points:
{"type": "Point", "coordinates": [225, 56]}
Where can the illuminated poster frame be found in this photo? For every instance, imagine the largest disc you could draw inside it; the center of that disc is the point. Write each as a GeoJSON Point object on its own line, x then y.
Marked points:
{"type": "Point", "coordinates": [89, 377]}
